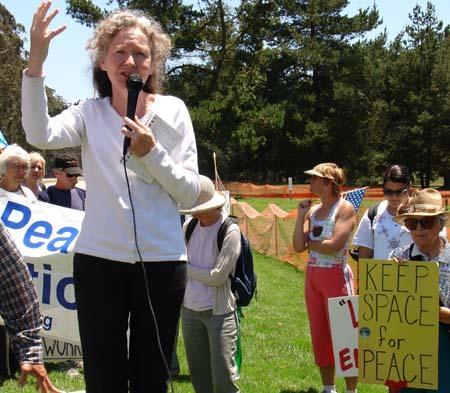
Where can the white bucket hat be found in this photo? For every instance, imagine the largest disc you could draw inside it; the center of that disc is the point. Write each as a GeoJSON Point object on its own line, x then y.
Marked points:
{"type": "Point", "coordinates": [209, 198]}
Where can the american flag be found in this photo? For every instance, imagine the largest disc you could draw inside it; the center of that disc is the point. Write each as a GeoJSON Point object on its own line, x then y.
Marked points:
{"type": "Point", "coordinates": [355, 197]}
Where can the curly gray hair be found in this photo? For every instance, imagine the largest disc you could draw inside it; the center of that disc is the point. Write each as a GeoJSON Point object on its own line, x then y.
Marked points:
{"type": "Point", "coordinates": [105, 32]}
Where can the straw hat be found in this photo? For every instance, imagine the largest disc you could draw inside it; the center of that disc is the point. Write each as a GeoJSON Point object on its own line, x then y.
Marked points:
{"type": "Point", "coordinates": [426, 202]}
{"type": "Point", "coordinates": [209, 198]}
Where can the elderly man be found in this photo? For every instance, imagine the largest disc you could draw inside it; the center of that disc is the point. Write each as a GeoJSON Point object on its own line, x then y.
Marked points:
{"type": "Point", "coordinates": [64, 193]}
{"type": "Point", "coordinates": [14, 166]}
{"type": "Point", "coordinates": [19, 307]}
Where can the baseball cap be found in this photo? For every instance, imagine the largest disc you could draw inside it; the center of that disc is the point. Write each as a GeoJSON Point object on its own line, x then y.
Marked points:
{"type": "Point", "coordinates": [68, 164]}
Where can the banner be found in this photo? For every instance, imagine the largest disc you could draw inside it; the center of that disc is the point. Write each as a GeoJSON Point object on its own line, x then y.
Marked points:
{"type": "Point", "coordinates": [45, 235]}
{"type": "Point", "coordinates": [59, 351]}
{"type": "Point", "coordinates": [343, 314]}
{"type": "Point", "coordinates": [398, 323]}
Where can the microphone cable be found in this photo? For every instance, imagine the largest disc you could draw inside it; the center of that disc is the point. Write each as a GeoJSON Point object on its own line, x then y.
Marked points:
{"type": "Point", "coordinates": [147, 287]}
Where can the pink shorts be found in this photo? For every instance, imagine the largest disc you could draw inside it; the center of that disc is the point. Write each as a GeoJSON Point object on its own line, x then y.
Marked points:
{"type": "Point", "coordinates": [320, 284]}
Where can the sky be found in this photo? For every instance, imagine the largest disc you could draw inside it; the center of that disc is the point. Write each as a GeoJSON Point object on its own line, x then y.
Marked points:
{"type": "Point", "coordinates": [68, 64]}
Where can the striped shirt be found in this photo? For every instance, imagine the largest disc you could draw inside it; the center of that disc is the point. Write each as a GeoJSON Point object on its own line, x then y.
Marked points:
{"type": "Point", "coordinates": [19, 304]}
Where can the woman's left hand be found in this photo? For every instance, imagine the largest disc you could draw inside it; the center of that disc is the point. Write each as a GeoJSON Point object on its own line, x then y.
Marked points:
{"type": "Point", "coordinates": [142, 140]}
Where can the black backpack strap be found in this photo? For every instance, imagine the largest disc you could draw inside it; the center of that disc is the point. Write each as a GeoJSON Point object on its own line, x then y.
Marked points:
{"type": "Point", "coordinates": [372, 212]}
{"type": "Point", "coordinates": [190, 228]}
{"type": "Point", "coordinates": [223, 230]}
{"type": "Point", "coordinates": [415, 257]}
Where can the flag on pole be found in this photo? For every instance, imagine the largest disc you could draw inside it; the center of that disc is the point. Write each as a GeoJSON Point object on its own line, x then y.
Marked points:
{"type": "Point", "coordinates": [355, 197]}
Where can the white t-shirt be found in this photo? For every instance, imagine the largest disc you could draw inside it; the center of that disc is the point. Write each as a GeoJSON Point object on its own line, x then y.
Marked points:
{"type": "Point", "coordinates": [202, 252]}
{"type": "Point", "coordinates": [384, 236]}
{"type": "Point", "coordinates": [23, 191]}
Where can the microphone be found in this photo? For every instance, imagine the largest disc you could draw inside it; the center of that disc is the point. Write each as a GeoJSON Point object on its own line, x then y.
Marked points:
{"type": "Point", "coordinates": [134, 87]}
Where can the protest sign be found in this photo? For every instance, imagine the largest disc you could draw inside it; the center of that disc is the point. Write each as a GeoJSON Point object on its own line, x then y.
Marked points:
{"type": "Point", "coordinates": [343, 313]}
{"type": "Point", "coordinates": [398, 323]}
{"type": "Point", "coordinates": [45, 235]}
{"type": "Point", "coordinates": [59, 351]}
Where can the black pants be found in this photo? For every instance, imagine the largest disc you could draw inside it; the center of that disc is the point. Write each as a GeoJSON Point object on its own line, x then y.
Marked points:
{"type": "Point", "coordinates": [110, 297]}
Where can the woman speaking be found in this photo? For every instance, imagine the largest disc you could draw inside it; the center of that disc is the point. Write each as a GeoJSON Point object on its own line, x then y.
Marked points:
{"type": "Point", "coordinates": [129, 266]}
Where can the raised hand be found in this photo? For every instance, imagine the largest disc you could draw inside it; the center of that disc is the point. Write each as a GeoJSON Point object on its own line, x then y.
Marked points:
{"type": "Point", "coordinates": [41, 36]}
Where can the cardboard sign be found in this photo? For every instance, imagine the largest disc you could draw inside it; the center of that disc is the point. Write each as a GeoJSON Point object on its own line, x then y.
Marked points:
{"type": "Point", "coordinates": [398, 323]}
{"type": "Point", "coordinates": [343, 313]}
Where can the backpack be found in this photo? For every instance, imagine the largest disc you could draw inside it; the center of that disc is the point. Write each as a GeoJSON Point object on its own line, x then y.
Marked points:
{"type": "Point", "coordinates": [243, 283]}
{"type": "Point", "coordinates": [371, 213]}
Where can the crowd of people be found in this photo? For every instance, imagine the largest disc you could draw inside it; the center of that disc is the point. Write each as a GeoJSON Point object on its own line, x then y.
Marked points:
{"type": "Point", "coordinates": [407, 225]}
{"type": "Point", "coordinates": [136, 270]}
{"type": "Point", "coordinates": [22, 173]}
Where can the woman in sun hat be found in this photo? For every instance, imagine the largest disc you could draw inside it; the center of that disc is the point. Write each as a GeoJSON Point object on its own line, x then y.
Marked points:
{"type": "Point", "coordinates": [324, 230]}
{"type": "Point", "coordinates": [209, 320]}
{"type": "Point", "coordinates": [425, 219]}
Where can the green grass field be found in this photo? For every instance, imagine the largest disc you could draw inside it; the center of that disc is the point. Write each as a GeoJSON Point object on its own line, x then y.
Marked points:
{"type": "Point", "coordinates": [276, 342]}
{"type": "Point", "coordinates": [289, 204]}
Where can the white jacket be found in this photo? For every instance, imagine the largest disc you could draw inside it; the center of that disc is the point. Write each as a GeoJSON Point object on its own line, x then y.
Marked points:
{"type": "Point", "coordinates": [107, 230]}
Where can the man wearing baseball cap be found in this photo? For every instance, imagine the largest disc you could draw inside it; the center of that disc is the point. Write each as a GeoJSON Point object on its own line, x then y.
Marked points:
{"type": "Point", "coordinates": [64, 193]}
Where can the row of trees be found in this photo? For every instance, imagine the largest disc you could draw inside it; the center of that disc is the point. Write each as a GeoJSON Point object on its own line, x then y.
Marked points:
{"type": "Point", "coordinates": [276, 86]}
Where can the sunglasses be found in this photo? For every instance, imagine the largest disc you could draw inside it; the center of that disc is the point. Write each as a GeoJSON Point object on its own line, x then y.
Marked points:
{"type": "Point", "coordinates": [425, 223]}
{"type": "Point", "coordinates": [70, 176]}
{"type": "Point", "coordinates": [317, 231]}
{"type": "Point", "coordinates": [389, 192]}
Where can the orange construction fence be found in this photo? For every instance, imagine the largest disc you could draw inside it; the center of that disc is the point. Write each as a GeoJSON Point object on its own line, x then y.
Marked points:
{"type": "Point", "coordinates": [270, 232]}
{"type": "Point", "coordinates": [249, 190]}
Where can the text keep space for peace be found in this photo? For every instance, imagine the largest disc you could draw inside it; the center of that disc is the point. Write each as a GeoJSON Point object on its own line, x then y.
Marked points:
{"type": "Point", "coordinates": [398, 323]}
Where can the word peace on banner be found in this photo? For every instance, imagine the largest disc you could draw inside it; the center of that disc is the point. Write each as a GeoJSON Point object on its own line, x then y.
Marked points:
{"type": "Point", "coordinates": [45, 235]}
{"type": "Point", "coordinates": [398, 323]}
{"type": "Point", "coordinates": [343, 314]}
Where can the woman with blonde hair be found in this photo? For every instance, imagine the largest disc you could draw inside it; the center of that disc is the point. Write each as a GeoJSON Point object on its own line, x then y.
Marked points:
{"type": "Point", "coordinates": [324, 230]}
{"type": "Point", "coordinates": [130, 257]}
{"type": "Point", "coordinates": [35, 174]}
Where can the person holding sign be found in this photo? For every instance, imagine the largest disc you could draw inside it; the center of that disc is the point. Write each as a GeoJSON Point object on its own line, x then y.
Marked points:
{"type": "Point", "coordinates": [14, 166]}
{"type": "Point", "coordinates": [129, 266]}
{"type": "Point", "coordinates": [34, 177]}
{"type": "Point", "coordinates": [425, 219]}
{"type": "Point", "coordinates": [324, 230]}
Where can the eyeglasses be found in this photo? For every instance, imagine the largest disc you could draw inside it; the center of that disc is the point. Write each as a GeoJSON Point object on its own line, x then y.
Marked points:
{"type": "Point", "coordinates": [16, 166]}
{"type": "Point", "coordinates": [425, 223]}
{"type": "Point", "coordinates": [317, 231]}
{"type": "Point", "coordinates": [389, 192]}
